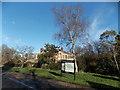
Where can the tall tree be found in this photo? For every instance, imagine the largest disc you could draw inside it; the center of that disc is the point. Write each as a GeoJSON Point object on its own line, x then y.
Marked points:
{"type": "Point", "coordinates": [47, 53]}
{"type": "Point", "coordinates": [72, 25]}
{"type": "Point", "coordinates": [117, 44]}
{"type": "Point", "coordinates": [107, 39]}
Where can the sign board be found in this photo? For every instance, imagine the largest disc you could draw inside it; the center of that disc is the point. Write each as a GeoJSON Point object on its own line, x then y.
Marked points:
{"type": "Point", "coordinates": [68, 66]}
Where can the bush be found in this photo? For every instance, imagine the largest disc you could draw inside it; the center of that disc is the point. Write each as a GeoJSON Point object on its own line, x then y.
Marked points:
{"type": "Point", "coordinates": [87, 62]}
{"type": "Point", "coordinates": [45, 66]}
{"type": "Point", "coordinates": [9, 64]}
{"type": "Point", "coordinates": [98, 63]}
{"type": "Point", "coordinates": [55, 66]}
{"type": "Point", "coordinates": [105, 64]}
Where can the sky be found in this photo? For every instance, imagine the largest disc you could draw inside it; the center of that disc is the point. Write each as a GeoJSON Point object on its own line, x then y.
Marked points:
{"type": "Point", "coordinates": [33, 23]}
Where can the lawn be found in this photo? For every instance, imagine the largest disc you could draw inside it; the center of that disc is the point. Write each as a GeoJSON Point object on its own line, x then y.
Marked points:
{"type": "Point", "coordinates": [90, 79]}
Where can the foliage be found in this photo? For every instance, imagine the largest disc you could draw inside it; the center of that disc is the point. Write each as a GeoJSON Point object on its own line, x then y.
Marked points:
{"type": "Point", "coordinates": [87, 62]}
{"type": "Point", "coordinates": [55, 66]}
{"type": "Point", "coordinates": [16, 57]}
{"type": "Point", "coordinates": [47, 56]}
{"type": "Point", "coordinates": [108, 41]}
{"type": "Point", "coordinates": [117, 45]}
{"type": "Point", "coordinates": [101, 56]}
{"type": "Point", "coordinates": [106, 64]}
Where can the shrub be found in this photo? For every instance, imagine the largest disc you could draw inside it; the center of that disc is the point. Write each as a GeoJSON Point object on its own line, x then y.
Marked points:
{"type": "Point", "coordinates": [55, 66]}
{"type": "Point", "coordinates": [105, 64]}
{"type": "Point", "coordinates": [45, 66]}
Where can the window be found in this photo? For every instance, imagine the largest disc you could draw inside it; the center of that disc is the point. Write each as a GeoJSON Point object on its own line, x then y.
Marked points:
{"type": "Point", "coordinates": [65, 56]}
{"type": "Point", "coordinates": [69, 57]}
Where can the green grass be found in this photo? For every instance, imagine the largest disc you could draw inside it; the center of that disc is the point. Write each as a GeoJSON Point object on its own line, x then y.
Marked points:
{"type": "Point", "coordinates": [90, 79]}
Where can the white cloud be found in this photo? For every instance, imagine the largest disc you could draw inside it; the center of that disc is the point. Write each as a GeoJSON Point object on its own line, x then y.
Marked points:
{"type": "Point", "coordinates": [96, 28]}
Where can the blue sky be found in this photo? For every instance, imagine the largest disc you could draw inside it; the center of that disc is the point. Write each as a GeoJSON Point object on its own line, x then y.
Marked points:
{"type": "Point", "coordinates": [33, 23]}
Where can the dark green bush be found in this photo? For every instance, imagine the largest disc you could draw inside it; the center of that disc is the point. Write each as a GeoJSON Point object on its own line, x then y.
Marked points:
{"type": "Point", "coordinates": [45, 66]}
{"type": "Point", "coordinates": [102, 63]}
{"type": "Point", "coordinates": [106, 64]}
{"type": "Point", "coordinates": [55, 66]}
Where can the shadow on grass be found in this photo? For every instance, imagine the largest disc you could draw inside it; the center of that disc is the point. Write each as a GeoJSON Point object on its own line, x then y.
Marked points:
{"type": "Point", "coordinates": [6, 67]}
{"type": "Point", "coordinates": [32, 71]}
{"type": "Point", "coordinates": [117, 79]}
{"type": "Point", "coordinates": [38, 82]}
{"type": "Point", "coordinates": [101, 86]}
{"type": "Point", "coordinates": [56, 74]}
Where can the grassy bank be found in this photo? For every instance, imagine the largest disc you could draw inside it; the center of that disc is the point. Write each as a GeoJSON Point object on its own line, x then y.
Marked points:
{"type": "Point", "coordinates": [91, 79]}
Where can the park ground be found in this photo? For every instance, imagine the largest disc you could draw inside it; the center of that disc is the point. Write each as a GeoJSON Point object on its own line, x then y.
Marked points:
{"type": "Point", "coordinates": [45, 78]}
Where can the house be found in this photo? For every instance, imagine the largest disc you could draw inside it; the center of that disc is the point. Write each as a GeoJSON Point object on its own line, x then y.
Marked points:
{"type": "Point", "coordinates": [36, 55]}
{"type": "Point", "coordinates": [62, 55]}
{"type": "Point", "coordinates": [58, 56]}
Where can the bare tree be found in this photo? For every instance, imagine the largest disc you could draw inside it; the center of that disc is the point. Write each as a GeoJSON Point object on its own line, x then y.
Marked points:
{"type": "Point", "coordinates": [72, 25]}
{"type": "Point", "coordinates": [26, 53]}
{"type": "Point", "coordinates": [7, 55]}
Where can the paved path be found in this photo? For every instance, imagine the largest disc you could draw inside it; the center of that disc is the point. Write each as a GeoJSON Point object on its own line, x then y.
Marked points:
{"type": "Point", "coordinates": [19, 80]}
{"type": "Point", "coordinates": [11, 83]}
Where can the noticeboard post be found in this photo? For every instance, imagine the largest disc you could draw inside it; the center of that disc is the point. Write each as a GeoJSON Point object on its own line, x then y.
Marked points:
{"type": "Point", "coordinates": [68, 66]}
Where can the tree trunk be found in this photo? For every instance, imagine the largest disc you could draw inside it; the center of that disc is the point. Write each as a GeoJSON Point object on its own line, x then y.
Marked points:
{"type": "Point", "coordinates": [117, 66]}
{"type": "Point", "coordinates": [22, 64]}
{"type": "Point", "coordinates": [73, 53]}
{"type": "Point", "coordinates": [72, 49]}
{"type": "Point", "coordinates": [116, 63]}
